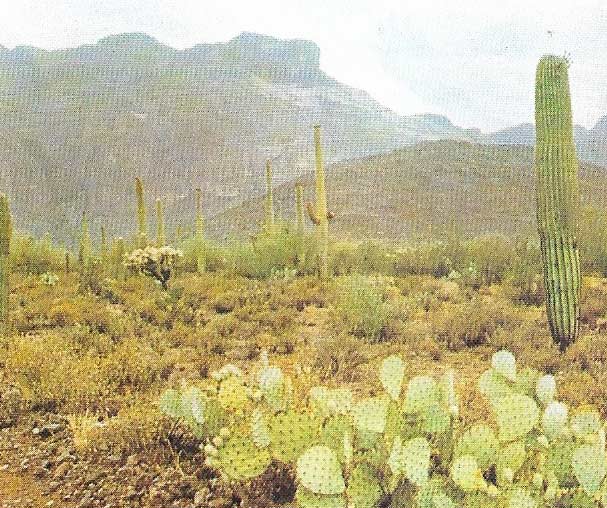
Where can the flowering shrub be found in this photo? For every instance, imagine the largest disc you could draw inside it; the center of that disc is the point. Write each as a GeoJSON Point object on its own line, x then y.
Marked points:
{"type": "Point", "coordinates": [157, 262]}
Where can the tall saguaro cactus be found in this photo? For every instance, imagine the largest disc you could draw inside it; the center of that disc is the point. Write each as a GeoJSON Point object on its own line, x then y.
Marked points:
{"type": "Point", "coordinates": [200, 253]}
{"type": "Point", "coordinates": [104, 246]}
{"type": "Point", "coordinates": [85, 249]}
{"type": "Point", "coordinates": [5, 242]}
{"type": "Point", "coordinates": [142, 225]}
{"type": "Point", "coordinates": [160, 236]}
{"type": "Point", "coordinates": [299, 220]}
{"type": "Point", "coordinates": [319, 213]}
{"type": "Point", "coordinates": [557, 198]}
{"type": "Point", "coordinates": [270, 218]}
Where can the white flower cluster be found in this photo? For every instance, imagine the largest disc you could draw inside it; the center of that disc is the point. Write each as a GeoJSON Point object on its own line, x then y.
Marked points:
{"type": "Point", "coordinates": [152, 255]}
{"type": "Point", "coordinates": [49, 279]}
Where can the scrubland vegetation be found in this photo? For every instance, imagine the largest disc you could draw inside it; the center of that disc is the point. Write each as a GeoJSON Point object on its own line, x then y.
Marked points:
{"type": "Point", "coordinates": [296, 369]}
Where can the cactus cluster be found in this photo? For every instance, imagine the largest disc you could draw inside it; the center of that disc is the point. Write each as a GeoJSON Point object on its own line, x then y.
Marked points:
{"type": "Point", "coordinates": [405, 445]}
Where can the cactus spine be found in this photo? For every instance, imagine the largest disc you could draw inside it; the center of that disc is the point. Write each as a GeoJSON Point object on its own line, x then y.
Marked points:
{"type": "Point", "coordinates": [270, 218]}
{"type": "Point", "coordinates": [200, 254]}
{"type": "Point", "coordinates": [5, 241]}
{"type": "Point", "coordinates": [85, 248]}
{"type": "Point", "coordinates": [557, 198]}
{"type": "Point", "coordinates": [142, 226]}
{"type": "Point", "coordinates": [320, 214]}
{"type": "Point", "coordinates": [160, 236]}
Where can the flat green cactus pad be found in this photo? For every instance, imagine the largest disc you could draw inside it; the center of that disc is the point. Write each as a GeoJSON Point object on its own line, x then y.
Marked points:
{"type": "Point", "coordinates": [391, 374]}
{"type": "Point", "coordinates": [370, 414]}
{"type": "Point", "coordinates": [480, 442]}
{"type": "Point", "coordinates": [589, 466]}
{"type": "Point", "coordinates": [422, 392]}
{"type": "Point", "coordinates": [466, 474]}
{"type": "Point", "coordinates": [232, 395]}
{"type": "Point", "coordinates": [307, 499]}
{"type": "Point", "coordinates": [411, 459]}
{"type": "Point", "coordinates": [554, 419]}
{"type": "Point", "coordinates": [504, 363]}
{"type": "Point", "coordinates": [319, 471]}
{"type": "Point", "coordinates": [291, 434]}
{"type": "Point", "coordinates": [521, 498]}
{"type": "Point", "coordinates": [364, 489]}
{"type": "Point", "coordinates": [516, 415]}
{"type": "Point", "coordinates": [240, 459]}
{"type": "Point", "coordinates": [170, 404]}
{"type": "Point", "coordinates": [328, 402]}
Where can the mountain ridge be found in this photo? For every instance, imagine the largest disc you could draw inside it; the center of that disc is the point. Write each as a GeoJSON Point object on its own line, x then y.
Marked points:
{"type": "Point", "coordinates": [78, 124]}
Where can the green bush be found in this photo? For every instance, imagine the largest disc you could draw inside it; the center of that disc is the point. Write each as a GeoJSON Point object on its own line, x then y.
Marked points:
{"type": "Point", "coordinates": [361, 306]}
{"type": "Point", "coordinates": [405, 445]}
{"type": "Point", "coordinates": [32, 256]}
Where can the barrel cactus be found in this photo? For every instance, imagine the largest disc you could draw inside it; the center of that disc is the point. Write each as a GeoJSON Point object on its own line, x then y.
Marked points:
{"type": "Point", "coordinates": [557, 198]}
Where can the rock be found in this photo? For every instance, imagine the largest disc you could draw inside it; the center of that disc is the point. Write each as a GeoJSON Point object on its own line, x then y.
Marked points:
{"type": "Point", "coordinates": [61, 470]}
{"type": "Point", "coordinates": [200, 497]}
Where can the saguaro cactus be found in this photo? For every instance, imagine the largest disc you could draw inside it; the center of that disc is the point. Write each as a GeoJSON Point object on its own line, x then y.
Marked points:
{"type": "Point", "coordinates": [104, 246]}
{"type": "Point", "coordinates": [142, 225]}
{"type": "Point", "coordinates": [5, 242]}
{"type": "Point", "coordinates": [270, 219]}
{"type": "Point", "coordinates": [557, 198]}
{"type": "Point", "coordinates": [200, 253]}
{"type": "Point", "coordinates": [319, 213]}
{"type": "Point", "coordinates": [160, 236]}
{"type": "Point", "coordinates": [85, 249]}
{"type": "Point", "coordinates": [299, 220]}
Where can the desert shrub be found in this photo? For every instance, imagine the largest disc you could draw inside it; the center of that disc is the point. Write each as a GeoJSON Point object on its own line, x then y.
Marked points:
{"type": "Point", "coordinates": [140, 428]}
{"type": "Point", "coordinates": [593, 304]}
{"type": "Point", "coordinates": [472, 323]}
{"type": "Point", "coordinates": [44, 367]}
{"type": "Point", "coordinates": [216, 256]}
{"type": "Point", "coordinates": [527, 450]}
{"type": "Point", "coordinates": [367, 258]}
{"type": "Point", "coordinates": [32, 256]}
{"type": "Point", "coordinates": [426, 258]}
{"type": "Point", "coordinates": [155, 262]}
{"type": "Point", "coordinates": [337, 357]}
{"type": "Point", "coordinates": [492, 256]}
{"type": "Point", "coordinates": [524, 280]}
{"type": "Point", "coordinates": [361, 306]}
{"type": "Point", "coordinates": [593, 240]}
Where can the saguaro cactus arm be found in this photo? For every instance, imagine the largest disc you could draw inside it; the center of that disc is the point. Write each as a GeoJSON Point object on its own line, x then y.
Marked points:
{"type": "Point", "coordinates": [557, 198]}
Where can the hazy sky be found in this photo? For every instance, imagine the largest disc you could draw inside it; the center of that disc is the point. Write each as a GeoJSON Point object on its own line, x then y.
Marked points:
{"type": "Point", "coordinates": [473, 61]}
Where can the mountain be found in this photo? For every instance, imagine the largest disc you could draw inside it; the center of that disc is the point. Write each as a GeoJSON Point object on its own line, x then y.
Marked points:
{"type": "Point", "coordinates": [423, 191]}
{"type": "Point", "coordinates": [591, 143]}
{"type": "Point", "coordinates": [77, 125]}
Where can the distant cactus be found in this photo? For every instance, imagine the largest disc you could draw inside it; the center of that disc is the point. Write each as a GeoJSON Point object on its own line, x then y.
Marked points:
{"type": "Point", "coordinates": [104, 247]}
{"type": "Point", "coordinates": [142, 225]}
{"type": "Point", "coordinates": [299, 222]}
{"type": "Point", "coordinates": [269, 204]}
{"type": "Point", "coordinates": [160, 236]}
{"type": "Point", "coordinates": [199, 226]}
{"type": "Point", "coordinates": [85, 249]}
{"type": "Point", "coordinates": [5, 242]}
{"type": "Point", "coordinates": [68, 263]}
{"type": "Point", "coordinates": [557, 198]}
{"type": "Point", "coordinates": [319, 214]}
{"type": "Point", "coordinates": [118, 258]}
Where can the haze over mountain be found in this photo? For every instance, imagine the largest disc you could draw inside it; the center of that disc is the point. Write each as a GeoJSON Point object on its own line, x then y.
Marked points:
{"type": "Point", "coordinates": [77, 125]}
